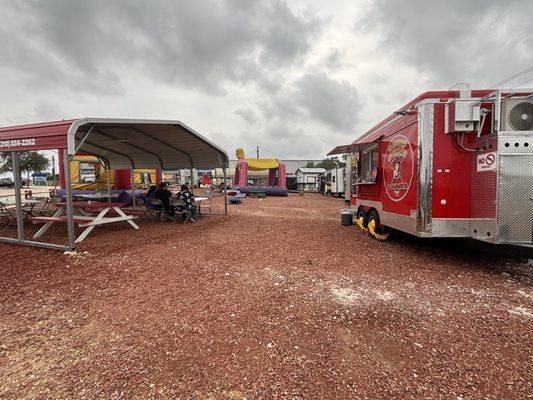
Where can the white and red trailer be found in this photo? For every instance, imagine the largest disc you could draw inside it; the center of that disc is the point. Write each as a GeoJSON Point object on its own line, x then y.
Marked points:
{"type": "Point", "coordinates": [453, 163]}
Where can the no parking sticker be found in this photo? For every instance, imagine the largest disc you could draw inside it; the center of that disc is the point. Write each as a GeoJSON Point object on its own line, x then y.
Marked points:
{"type": "Point", "coordinates": [486, 162]}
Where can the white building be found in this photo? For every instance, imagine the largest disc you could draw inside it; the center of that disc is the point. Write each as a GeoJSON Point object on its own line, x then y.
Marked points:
{"type": "Point", "coordinates": [308, 178]}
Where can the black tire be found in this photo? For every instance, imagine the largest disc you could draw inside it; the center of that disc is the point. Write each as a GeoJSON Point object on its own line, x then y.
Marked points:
{"type": "Point", "coordinates": [373, 215]}
{"type": "Point", "coordinates": [361, 213]}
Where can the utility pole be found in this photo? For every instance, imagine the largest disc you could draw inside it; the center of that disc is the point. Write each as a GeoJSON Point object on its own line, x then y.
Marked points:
{"type": "Point", "coordinates": [257, 151]}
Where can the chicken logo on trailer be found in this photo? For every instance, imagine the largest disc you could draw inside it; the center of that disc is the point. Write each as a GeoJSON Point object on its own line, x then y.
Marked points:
{"type": "Point", "coordinates": [398, 168]}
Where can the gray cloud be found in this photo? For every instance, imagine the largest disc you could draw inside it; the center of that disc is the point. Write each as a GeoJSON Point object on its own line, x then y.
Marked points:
{"type": "Point", "coordinates": [478, 41]}
{"type": "Point", "coordinates": [249, 115]}
{"type": "Point", "coordinates": [188, 43]}
{"type": "Point", "coordinates": [335, 103]}
{"type": "Point", "coordinates": [292, 76]}
{"type": "Point", "coordinates": [281, 140]}
{"type": "Point", "coordinates": [317, 97]}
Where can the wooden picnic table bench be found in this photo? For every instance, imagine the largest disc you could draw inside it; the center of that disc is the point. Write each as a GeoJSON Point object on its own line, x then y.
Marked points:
{"type": "Point", "coordinates": [63, 218]}
{"type": "Point", "coordinates": [85, 219]}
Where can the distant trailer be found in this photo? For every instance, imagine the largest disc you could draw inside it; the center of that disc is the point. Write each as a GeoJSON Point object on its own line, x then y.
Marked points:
{"type": "Point", "coordinates": [455, 163]}
{"type": "Point", "coordinates": [334, 182]}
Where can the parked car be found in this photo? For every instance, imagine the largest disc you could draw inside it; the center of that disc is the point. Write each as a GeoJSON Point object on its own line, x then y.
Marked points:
{"type": "Point", "coordinates": [7, 182]}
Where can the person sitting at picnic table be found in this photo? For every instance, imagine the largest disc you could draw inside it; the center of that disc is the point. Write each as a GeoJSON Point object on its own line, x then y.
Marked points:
{"type": "Point", "coordinates": [149, 196]}
{"type": "Point", "coordinates": [188, 199]}
{"type": "Point", "coordinates": [164, 195]}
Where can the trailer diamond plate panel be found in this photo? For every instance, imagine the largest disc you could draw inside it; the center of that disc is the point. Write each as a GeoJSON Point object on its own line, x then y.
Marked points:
{"type": "Point", "coordinates": [515, 199]}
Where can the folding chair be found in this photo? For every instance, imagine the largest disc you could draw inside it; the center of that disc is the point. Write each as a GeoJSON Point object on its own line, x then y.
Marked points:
{"type": "Point", "coordinates": [41, 209]}
{"type": "Point", "coordinates": [146, 212]}
{"type": "Point", "coordinates": [49, 208]}
{"type": "Point", "coordinates": [7, 217]}
{"type": "Point", "coordinates": [185, 212]}
{"type": "Point", "coordinates": [207, 194]}
{"type": "Point", "coordinates": [159, 212]}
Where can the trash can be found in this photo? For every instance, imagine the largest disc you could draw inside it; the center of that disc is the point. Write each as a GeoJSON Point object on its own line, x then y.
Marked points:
{"type": "Point", "coordinates": [346, 217]}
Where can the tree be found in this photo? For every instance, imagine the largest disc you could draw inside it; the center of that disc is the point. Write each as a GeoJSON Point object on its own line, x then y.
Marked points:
{"type": "Point", "coordinates": [330, 163]}
{"type": "Point", "coordinates": [30, 161]}
{"type": "Point", "coordinates": [309, 165]}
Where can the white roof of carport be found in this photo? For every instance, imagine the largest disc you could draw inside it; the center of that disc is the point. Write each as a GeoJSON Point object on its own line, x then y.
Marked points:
{"type": "Point", "coordinates": [123, 143]}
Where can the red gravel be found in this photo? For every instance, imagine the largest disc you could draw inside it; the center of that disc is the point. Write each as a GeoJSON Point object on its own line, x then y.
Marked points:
{"type": "Point", "coordinates": [275, 301]}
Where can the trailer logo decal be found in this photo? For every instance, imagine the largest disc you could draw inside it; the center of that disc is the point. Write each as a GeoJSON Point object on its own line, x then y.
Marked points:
{"type": "Point", "coordinates": [398, 168]}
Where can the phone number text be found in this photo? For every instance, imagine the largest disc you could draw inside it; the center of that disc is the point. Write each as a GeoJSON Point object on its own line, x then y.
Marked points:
{"type": "Point", "coordinates": [16, 143]}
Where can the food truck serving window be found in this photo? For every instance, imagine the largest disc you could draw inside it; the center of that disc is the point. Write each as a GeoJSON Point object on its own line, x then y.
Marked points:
{"type": "Point", "coordinates": [369, 164]}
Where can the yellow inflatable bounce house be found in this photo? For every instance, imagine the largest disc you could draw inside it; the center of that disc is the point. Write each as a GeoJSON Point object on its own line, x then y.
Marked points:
{"type": "Point", "coordinates": [88, 173]}
{"type": "Point", "coordinates": [277, 177]}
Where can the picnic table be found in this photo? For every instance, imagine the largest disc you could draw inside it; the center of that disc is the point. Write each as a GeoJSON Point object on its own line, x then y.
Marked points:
{"type": "Point", "coordinates": [85, 218]}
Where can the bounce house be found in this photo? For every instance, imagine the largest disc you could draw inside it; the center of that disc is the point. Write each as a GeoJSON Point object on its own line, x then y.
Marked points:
{"type": "Point", "coordinates": [277, 177]}
{"type": "Point", "coordinates": [88, 173]}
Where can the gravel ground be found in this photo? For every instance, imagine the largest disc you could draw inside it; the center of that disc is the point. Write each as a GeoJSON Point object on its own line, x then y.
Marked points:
{"type": "Point", "coordinates": [276, 301]}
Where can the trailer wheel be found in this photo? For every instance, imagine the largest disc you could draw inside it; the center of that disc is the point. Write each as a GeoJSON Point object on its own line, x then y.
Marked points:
{"type": "Point", "coordinates": [376, 230]}
{"type": "Point", "coordinates": [361, 219]}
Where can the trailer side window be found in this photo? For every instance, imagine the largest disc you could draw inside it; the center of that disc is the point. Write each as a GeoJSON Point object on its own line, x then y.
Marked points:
{"type": "Point", "coordinates": [369, 164]}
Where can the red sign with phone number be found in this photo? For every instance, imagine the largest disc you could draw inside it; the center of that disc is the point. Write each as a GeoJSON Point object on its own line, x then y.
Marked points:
{"type": "Point", "coordinates": [16, 143]}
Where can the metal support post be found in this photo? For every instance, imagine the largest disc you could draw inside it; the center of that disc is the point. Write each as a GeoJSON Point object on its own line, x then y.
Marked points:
{"type": "Point", "coordinates": [225, 192]}
{"type": "Point", "coordinates": [132, 186]}
{"type": "Point", "coordinates": [54, 171]}
{"type": "Point", "coordinates": [192, 182]}
{"type": "Point", "coordinates": [70, 209]}
{"type": "Point", "coordinates": [108, 183]}
{"type": "Point", "coordinates": [15, 159]}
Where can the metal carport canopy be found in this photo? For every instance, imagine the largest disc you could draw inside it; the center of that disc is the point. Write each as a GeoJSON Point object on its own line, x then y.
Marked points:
{"type": "Point", "coordinates": [164, 144]}
{"type": "Point", "coordinates": [120, 143]}
{"type": "Point", "coordinates": [143, 143]}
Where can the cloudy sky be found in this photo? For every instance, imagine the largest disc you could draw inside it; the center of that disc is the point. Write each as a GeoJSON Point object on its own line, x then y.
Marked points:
{"type": "Point", "coordinates": [292, 76]}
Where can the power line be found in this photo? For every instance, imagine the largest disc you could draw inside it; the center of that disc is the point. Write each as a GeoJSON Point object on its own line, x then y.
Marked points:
{"type": "Point", "coordinates": [274, 154]}
{"type": "Point", "coordinates": [525, 71]}
{"type": "Point", "coordinates": [521, 83]}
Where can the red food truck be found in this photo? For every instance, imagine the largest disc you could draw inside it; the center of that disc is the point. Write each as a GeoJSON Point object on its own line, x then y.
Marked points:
{"type": "Point", "coordinates": [455, 163]}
